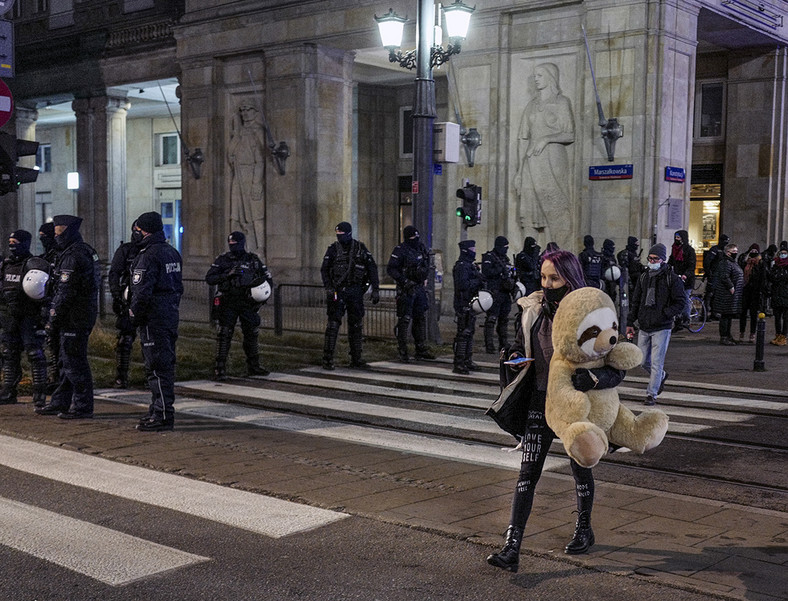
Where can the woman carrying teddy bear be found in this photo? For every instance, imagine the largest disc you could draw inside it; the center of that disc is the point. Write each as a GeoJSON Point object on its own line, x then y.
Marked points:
{"type": "Point", "coordinates": [560, 273]}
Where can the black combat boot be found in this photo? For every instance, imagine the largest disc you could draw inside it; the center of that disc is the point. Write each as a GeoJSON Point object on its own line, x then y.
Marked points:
{"type": "Point", "coordinates": [508, 558]}
{"type": "Point", "coordinates": [420, 338]}
{"type": "Point", "coordinates": [38, 367]}
{"type": "Point", "coordinates": [459, 356]}
{"type": "Point", "coordinates": [252, 352]}
{"type": "Point", "coordinates": [329, 344]}
{"type": "Point", "coordinates": [12, 373]}
{"type": "Point", "coordinates": [401, 330]}
{"type": "Point", "coordinates": [502, 328]}
{"type": "Point", "coordinates": [584, 535]}
{"type": "Point", "coordinates": [489, 336]}
{"type": "Point", "coordinates": [469, 364]}
{"type": "Point", "coordinates": [123, 360]}
{"type": "Point", "coordinates": [355, 341]}
{"type": "Point", "coordinates": [223, 338]}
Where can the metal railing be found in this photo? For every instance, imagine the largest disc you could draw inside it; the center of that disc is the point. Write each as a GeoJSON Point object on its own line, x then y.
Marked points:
{"type": "Point", "coordinates": [293, 307]}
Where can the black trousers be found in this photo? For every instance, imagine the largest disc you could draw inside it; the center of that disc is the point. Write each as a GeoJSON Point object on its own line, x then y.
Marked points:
{"type": "Point", "coordinates": [536, 444]}
{"type": "Point", "coordinates": [75, 389]}
{"type": "Point", "coordinates": [158, 351]}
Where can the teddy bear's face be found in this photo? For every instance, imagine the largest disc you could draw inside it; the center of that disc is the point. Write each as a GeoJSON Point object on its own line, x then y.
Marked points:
{"type": "Point", "coordinates": [585, 327]}
{"type": "Point", "coordinates": [597, 333]}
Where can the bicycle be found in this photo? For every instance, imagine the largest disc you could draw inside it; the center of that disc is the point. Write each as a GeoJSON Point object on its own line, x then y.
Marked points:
{"type": "Point", "coordinates": [697, 314]}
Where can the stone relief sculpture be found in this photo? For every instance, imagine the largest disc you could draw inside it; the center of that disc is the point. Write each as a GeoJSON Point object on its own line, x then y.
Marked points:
{"type": "Point", "coordinates": [544, 174]}
{"type": "Point", "coordinates": [246, 155]}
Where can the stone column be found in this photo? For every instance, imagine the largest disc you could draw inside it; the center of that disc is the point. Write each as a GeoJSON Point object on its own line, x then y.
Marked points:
{"type": "Point", "coordinates": [101, 163]}
{"type": "Point", "coordinates": [26, 194]}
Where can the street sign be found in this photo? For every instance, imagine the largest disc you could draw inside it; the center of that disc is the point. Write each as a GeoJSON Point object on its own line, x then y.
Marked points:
{"type": "Point", "coordinates": [674, 174]}
{"type": "Point", "coordinates": [6, 103]}
{"type": "Point", "coordinates": [603, 172]}
{"type": "Point", "coordinates": [6, 48]}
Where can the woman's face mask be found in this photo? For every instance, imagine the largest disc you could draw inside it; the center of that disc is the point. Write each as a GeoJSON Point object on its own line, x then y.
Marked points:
{"type": "Point", "coordinates": [783, 255]}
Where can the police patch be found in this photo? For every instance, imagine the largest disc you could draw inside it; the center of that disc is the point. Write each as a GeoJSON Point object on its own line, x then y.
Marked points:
{"type": "Point", "coordinates": [64, 276]}
{"type": "Point", "coordinates": [137, 278]}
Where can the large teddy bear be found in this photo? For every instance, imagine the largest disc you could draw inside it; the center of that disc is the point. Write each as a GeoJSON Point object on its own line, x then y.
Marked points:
{"type": "Point", "coordinates": [585, 335]}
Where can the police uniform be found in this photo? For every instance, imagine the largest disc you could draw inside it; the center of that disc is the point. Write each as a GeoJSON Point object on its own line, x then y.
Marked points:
{"type": "Point", "coordinates": [467, 283]}
{"type": "Point", "coordinates": [409, 266]}
{"type": "Point", "coordinates": [156, 289]}
{"type": "Point", "coordinates": [235, 273]}
{"type": "Point", "coordinates": [591, 262]}
{"type": "Point", "coordinates": [21, 322]}
{"type": "Point", "coordinates": [119, 280]}
{"type": "Point", "coordinates": [347, 271]}
{"type": "Point", "coordinates": [527, 265]}
{"type": "Point", "coordinates": [73, 313]}
{"type": "Point", "coordinates": [46, 235]}
{"type": "Point", "coordinates": [499, 280]}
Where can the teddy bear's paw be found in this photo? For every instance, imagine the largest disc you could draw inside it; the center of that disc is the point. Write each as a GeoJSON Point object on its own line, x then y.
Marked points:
{"type": "Point", "coordinates": [588, 447]}
{"type": "Point", "coordinates": [642, 433]}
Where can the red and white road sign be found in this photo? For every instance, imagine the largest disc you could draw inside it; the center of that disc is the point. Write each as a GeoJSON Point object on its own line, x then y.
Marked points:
{"type": "Point", "coordinates": [6, 103]}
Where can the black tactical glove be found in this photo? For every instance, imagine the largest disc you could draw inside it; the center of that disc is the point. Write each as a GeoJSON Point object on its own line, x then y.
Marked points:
{"type": "Point", "coordinates": [331, 295]}
{"type": "Point", "coordinates": [584, 380]}
{"type": "Point", "coordinates": [375, 297]}
{"type": "Point", "coordinates": [409, 286]}
{"type": "Point", "coordinates": [117, 306]}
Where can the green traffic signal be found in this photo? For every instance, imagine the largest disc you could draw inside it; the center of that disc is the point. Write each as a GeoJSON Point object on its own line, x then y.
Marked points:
{"type": "Point", "coordinates": [11, 176]}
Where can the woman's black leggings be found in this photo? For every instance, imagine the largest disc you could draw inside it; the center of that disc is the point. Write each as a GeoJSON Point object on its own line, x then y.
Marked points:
{"type": "Point", "coordinates": [538, 438]}
{"type": "Point", "coordinates": [780, 320]}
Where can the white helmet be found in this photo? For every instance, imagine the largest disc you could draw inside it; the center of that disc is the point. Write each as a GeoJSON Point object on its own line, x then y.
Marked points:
{"type": "Point", "coordinates": [612, 273]}
{"type": "Point", "coordinates": [262, 292]}
{"type": "Point", "coordinates": [519, 290]}
{"type": "Point", "coordinates": [35, 283]}
{"type": "Point", "coordinates": [482, 302]}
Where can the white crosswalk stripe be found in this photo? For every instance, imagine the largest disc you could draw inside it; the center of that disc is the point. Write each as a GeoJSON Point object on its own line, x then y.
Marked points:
{"type": "Point", "coordinates": [132, 558]}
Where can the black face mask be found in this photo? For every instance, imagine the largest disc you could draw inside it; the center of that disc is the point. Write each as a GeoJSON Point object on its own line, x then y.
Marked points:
{"type": "Point", "coordinates": [47, 242]}
{"type": "Point", "coordinates": [61, 241]}
{"type": "Point", "coordinates": [344, 238]}
{"type": "Point", "coordinates": [733, 256]}
{"type": "Point", "coordinates": [237, 249]}
{"type": "Point", "coordinates": [136, 236]}
{"type": "Point", "coordinates": [753, 254]}
{"type": "Point", "coordinates": [554, 295]}
{"type": "Point", "coordinates": [16, 250]}
{"type": "Point", "coordinates": [413, 242]}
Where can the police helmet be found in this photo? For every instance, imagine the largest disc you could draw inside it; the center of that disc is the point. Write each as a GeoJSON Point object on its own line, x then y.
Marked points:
{"type": "Point", "coordinates": [262, 292]}
{"type": "Point", "coordinates": [37, 263]}
{"type": "Point", "coordinates": [519, 290]}
{"type": "Point", "coordinates": [482, 302]}
{"type": "Point", "coordinates": [35, 283]}
{"type": "Point", "coordinates": [612, 273]}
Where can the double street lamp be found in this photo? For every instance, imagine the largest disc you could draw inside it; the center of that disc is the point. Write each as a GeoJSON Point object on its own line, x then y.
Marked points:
{"type": "Point", "coordinates": [429, 53]}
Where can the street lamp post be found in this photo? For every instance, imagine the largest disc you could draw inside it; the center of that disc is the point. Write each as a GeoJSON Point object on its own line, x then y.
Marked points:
{"type": "Point", "coordinates": [428, 54]}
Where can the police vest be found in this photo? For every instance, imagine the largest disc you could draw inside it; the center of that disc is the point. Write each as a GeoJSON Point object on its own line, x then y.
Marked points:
{"type": "Point", "coordinates": [348, 267]}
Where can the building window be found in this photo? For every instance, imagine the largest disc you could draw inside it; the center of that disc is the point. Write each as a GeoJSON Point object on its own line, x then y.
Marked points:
{"type": "Point", "coordinates": [44, 158]}
{"type": "Point", "coordinates": [709, 109]}
{"type": "Point", "coordinates": [169, 149]}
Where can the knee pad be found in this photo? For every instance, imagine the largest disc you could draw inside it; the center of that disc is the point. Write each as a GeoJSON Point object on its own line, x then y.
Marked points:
{"type": "Point", "coordinates": [125, 341]}
{"type": "Point", "coordinates": [35, 355]}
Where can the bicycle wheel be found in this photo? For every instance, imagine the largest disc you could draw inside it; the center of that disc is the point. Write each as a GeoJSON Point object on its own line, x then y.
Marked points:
{"type": "Point", "coordinates": [697, 314]}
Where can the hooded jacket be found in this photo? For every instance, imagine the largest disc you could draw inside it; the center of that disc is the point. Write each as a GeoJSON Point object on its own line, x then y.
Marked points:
{"type": "Point", "coordinates": [683, 260]}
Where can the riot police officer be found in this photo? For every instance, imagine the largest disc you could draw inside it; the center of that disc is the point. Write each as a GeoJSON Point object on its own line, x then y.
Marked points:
{"type": "Point", "coordinates": [526, 264]}
{"type": "Point", "coordinates": [46, 235]}
{"type": "Point", "coordinates": [629, 262]}
{"type": "Point", "coordinates": [119, 280]}
{"type": "Point", "coordinates": [156, 289]}
{"type": "Point", "coordinates": [347, 271]}
{"type": "Point", "coordinates": [73, 313]}
{"type": "Point", "coordinates": [500, 281]}
{"type": "Point", "coordinates": [20, 317]}
{"type": "Point", "coordinates": [591, 262]}
{"type": "Point", "coordinates": [409, 266]}
{"type": "Point", "coordinates": [235, 273]}
{"type": "Point", "coordinates": [467, 283]}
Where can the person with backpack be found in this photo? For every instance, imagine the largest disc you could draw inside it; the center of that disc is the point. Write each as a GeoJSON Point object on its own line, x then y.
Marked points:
{"type": "Point", "coordinates": [658, 298]}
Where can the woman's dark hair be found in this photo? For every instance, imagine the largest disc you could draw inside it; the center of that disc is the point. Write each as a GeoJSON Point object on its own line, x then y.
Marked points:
{"type": "Point", "coordinates": [568, 267]}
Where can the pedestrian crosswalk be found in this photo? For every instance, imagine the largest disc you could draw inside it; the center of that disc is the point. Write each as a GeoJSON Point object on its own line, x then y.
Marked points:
{"type": "Point", "coordinates": [116, 558]}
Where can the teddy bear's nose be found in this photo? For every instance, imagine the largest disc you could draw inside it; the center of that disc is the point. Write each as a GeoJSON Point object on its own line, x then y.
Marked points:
{"type": "Point", "coordinates": [613, 340]}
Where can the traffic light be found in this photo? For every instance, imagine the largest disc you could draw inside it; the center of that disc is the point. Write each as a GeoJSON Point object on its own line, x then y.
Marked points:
{"type": "Point", "coordinates": [10, 174]}
{"type": "Point", "coordinates": [471, 210]}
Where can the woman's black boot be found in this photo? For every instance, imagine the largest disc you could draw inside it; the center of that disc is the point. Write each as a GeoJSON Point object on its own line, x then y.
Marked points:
{"type": "Point", "coordinates": [509, 557]}
{"type": "Point", "coordinates": [584, 535]}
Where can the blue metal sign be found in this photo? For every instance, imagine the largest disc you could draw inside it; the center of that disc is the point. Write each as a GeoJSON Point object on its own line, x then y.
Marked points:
{"type": "Point", "coordinates": [599, 172]}
{"type": "Point", "coordinates": [674, 174]}
{"type": "Point", "coordinates": [437, 169]}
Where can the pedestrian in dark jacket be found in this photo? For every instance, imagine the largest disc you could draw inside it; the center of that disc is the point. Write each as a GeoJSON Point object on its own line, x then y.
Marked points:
{"type": "Point", "coordinates": [658, 298]}
{"type": "Point", "coordinates": [753, 292]}
{"type": "Point", "coordinates": [683, 261]}
{"type": "Point", "coordinates": [467, 283]}
{"type": "Point", "coordinates": [778, 277]}
{"type": "Point", "coordinates": [729, 287]}
{"type": "Point", "coordinates": [711, 259]}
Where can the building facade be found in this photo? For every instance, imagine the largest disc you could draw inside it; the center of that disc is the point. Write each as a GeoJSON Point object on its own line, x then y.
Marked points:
{"type": "Point", "coordinates": [138, 86]}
